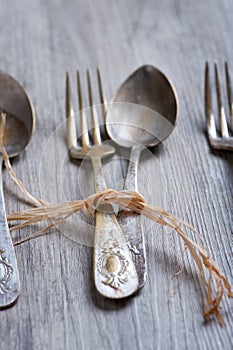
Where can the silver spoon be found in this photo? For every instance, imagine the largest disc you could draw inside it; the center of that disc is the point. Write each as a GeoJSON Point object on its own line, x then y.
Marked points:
{"type": "Point", "coordinates": [142, 114]}
{"type": "Point", "coordinates": [20, 122]}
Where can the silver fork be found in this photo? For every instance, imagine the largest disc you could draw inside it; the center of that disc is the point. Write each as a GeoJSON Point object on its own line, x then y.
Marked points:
{"type": "Point", "coordinates": [115, 275]}
{"type": "Point", "coordinates": [222, 141]}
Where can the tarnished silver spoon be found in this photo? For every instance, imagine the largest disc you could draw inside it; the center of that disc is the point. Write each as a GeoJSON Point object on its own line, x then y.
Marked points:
{"type": "Point", "coordinates": [20, 122]}
{"type": "Point", "coordinates": [142, 113]}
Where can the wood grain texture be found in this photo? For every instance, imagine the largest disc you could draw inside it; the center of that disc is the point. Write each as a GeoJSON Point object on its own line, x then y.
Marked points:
{"type": "Point", "coordinates": [59, 307]}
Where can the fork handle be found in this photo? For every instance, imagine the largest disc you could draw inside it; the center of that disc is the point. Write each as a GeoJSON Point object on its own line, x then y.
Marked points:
{"type": "Point", "coordinates": [115, 275]}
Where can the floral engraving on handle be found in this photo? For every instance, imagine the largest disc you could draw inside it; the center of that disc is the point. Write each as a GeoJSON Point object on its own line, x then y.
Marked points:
{"type": "Point", "coordinates": [112, 265]}
{"type": "Point", "coordinates": [6, 271]}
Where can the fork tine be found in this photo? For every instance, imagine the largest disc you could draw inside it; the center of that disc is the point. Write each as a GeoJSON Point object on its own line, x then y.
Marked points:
{"type": "Point", "coordinates": [71, 127]}
{"type": "Point", "coordinates": [101, 94]}
{"type": "Point", "coordinates": [84, 129]}
{"type": "Point", "coordinates": [229, 92]}
{"type": "Point", "coordinates": [95, 124]}
{"type": "Point", "coordinates": [221, 112]}
{"type": "Point", "coordinates": [208, 107]}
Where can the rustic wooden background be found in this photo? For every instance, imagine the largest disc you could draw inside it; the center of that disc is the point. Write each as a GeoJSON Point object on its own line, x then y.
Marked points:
{"type": "Point", "coordinates": [59, 307]}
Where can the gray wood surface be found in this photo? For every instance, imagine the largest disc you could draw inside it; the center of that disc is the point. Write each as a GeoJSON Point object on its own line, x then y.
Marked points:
{"type": "Point", "coordinates": [59, 307]}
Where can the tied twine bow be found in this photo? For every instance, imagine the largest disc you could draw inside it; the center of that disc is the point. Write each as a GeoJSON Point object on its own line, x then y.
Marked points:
{"type": "Point", "coordinates": [214, 286]}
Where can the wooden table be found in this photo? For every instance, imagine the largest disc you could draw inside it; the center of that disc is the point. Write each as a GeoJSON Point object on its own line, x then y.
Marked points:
{"type": "Point", "coordinates": [59, 307]}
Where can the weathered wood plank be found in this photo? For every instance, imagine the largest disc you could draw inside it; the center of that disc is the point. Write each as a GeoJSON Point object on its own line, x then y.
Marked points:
{"type": "Point", "coordinates": [59, 307]}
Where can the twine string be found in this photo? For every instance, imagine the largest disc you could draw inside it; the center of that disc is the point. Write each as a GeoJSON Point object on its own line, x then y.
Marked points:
{"type": "Point", "coordinates": [214, 282]}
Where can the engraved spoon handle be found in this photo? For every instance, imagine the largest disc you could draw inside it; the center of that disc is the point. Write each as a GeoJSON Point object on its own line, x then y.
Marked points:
{"type": "Point", "coordinates": [132, 225]}
{"type": "Point", "coordinates": [9, 275]}
{"type": "Point", "coordinates": [131, 180]}
{"type": "Point", "coordinates": [114, 271]}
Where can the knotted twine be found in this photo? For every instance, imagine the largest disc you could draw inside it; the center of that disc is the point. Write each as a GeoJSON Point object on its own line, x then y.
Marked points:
{"type": "Point", "coordinates": [214, 283]}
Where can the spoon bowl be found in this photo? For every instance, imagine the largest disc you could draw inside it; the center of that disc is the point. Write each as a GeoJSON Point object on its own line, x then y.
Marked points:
{"type": "Point", "coordinates": [142, 114]}
{"type": "Point", "coordinates": [20, 123]}
{"type": "Point", "coordinates": [144, 109]}
{"type": "Point", "coordinates": [20, 120]}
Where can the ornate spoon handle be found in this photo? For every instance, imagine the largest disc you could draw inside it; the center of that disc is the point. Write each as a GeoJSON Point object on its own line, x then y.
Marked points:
{"type": "Point", "coordinates": [9, 275]}
{"type": "Point", "coordinates": [132, 224]}
{"type": "Point", "coordinates": [114, 271]}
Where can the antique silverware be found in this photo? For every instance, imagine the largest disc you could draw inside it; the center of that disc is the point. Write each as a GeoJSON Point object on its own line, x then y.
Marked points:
{"type": "Point", "coordinates": [114, 271]}
{"type": "Point", "coordinates": [142, 113]}
{"type": "Point", "coordinates": [222, 140]}
{"type": "Point", "coordinates": [20, 122]}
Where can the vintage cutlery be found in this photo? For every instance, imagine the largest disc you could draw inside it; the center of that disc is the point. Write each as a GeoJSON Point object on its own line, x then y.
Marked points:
{"type": "Point", "coordinates": [142, 114]}
{"type": "Point", "coordinates": [114, 271]}
{"type": "Point", "coordinates": [222, 141]}
{"type": "Point", "coordinates": [20, 122]}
